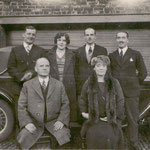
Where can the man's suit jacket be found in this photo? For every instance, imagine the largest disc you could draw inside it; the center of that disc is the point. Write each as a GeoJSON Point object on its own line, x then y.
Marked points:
{"type": "Point", "coordinates": [130, 71]}
{"type": "Point", "coordinates": [83, 69]}
{"type": "Point", "coordinates": [31, 109]}
{"type": "Point", "coordinates": [68, 77]}
{"type": "Point", "coordinates": [20, 62]}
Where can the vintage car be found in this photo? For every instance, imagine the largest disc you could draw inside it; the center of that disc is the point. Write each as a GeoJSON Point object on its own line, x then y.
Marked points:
{"type": "Point", "coordinates": [7, 108]}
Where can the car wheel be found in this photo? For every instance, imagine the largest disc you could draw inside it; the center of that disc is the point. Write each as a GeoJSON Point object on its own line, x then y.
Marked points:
{"type": "Point", "coordinates": [6, 120]}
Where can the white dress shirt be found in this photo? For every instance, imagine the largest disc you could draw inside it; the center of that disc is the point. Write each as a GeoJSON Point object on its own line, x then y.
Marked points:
{"type": "Point", "coordinates": [87, 47]}
{"type": "Point", "coordinates": [89, 55]}
{"type": "Point", "coordinates": [45, 79]}
{"type": "Point", "coordinates": [123, 50]}
{"type": "Point", "coordinates": [27, 47]}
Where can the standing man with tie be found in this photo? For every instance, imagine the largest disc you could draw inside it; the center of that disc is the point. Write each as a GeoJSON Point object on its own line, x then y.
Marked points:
{"type": "Point", "coordinates": [43, 106]}
{"type": "Point", "coordinates": [84, 55]}
{"type": "Point", "coordinates": [128, 67]}
{"type": "Point", "coordinates": [22, 60]}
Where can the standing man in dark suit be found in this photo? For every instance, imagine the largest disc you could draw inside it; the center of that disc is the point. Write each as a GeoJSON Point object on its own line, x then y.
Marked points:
{"type": "Point", "coordinates": [84, 55]}
{"type": "Point", "coordinates": [128, 67]}
{"type": "Point", "coordinates": [22, 59]}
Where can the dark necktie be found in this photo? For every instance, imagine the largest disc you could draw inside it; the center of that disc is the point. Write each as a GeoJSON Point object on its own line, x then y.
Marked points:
{"type": "Point", "coordinates": [121, 53]}
{"type": "Point", "coordinates": [44, 85]}
{"type": "Point", "coordinates": [90, 51]}
{"type": "Point", "coordinates": [89, 54]}
{"type": "Point", "coordinates": [28, 50]}
{"type": "Point", "coordinates": [44, 94]}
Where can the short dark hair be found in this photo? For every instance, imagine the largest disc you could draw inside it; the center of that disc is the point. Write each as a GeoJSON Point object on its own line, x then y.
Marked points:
{"type": "Point", "coordinates": [123, 32]}
{"type": "Point", "coordinates": [30, 27]}
{"type": "Point", "coordinates": [90, 29]}
{"type": "Point", "coordinates": [59, 35]}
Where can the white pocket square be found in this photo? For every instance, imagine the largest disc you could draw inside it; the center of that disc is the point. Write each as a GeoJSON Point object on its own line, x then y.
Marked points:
{"type": "Point", "coordinates": [131, 60]}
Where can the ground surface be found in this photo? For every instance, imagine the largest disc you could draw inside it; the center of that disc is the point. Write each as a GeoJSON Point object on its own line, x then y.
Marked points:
{"type": "Point", "coordinates": [144, 142]}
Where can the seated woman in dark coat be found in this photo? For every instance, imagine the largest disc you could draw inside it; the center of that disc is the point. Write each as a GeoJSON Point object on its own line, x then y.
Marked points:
{"type": "Point", "coordinates": [102, 105]}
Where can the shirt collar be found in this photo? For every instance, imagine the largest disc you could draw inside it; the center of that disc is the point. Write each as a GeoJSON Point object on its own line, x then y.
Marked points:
{"type": "Point", "coordinates": [45, 79]}
{"type": "Point", "coordinates": [123, 49]}
{"type": "Point", "coordinates": [88, 46]}
{"type": "Point", "coordinates": [27, 45]}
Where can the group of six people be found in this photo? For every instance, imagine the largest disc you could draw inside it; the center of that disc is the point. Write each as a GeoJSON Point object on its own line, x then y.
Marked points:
{"type": "Point", "coordinates": [86, 85]}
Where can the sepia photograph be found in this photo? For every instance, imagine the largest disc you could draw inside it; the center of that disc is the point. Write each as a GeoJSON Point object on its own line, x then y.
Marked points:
{"type": "Point", "coordinates": [75, 74]}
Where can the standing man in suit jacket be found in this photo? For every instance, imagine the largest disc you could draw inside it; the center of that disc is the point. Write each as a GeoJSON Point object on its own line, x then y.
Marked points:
{"type": "Point", "coordinates": [22, 59]}
{"type": "Point", "coordinates": [84, 55]}
{"type": "Point", "coordinates": [128, 67]}
{"type": "Point", "coordinates": [43, 106]}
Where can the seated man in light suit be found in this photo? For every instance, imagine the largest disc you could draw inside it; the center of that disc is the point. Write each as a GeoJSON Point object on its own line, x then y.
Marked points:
{"type": "Point", "coordinates": [43, 105]}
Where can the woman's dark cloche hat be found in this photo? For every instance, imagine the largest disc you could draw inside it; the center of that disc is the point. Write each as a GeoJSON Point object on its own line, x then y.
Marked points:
{"type": "Point", "coordinates": [100, 59]}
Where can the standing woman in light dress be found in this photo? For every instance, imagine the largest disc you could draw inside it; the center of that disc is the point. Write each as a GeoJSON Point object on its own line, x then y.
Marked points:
{"type": "Point", "coordinates": [102, 105]}
{"type": "Point", "coordinates": [62, 62]}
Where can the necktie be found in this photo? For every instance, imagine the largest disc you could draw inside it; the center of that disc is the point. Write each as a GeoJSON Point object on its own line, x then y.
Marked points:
{"type": "Point", "coordinates": [89, 54]}
{"type": "Point", "coordinates": [44, 85]}
{"type": "Point", "coordinates": [44, 95]}
{"type": "Point", "coordinates": [28, 49]}
{"type": "Point", "coordinates": [90, 51]}
{"type": "Point", "coordinates": [121, 53]}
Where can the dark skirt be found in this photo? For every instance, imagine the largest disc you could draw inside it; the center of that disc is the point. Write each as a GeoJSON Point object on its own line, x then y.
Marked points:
{"type": "Point", "coordinates": [104, 136]}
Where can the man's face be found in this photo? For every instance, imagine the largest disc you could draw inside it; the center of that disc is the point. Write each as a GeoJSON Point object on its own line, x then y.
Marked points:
{"type": "Point", "coordinates": [122, 39]}
{"type": "Point", "coordinates": [42, 67]}
{"type": "Point", "coordinates": [29, 36]}
{"type": "Point", "coordinates": [90, 36]}
{"type": "Point", "coordinates": [61, 43]}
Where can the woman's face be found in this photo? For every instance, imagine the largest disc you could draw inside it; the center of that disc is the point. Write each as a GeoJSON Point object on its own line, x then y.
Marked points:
{"type": "Point", "coordinates": [100, 69]}
{"type": "Point", "coordinates": [61, 43]}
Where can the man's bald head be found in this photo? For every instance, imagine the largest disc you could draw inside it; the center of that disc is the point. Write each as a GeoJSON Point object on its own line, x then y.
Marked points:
{"type": "Point", "coordinates": [42, 67]}
{"type": "Point", "coordinates": [42, 59]}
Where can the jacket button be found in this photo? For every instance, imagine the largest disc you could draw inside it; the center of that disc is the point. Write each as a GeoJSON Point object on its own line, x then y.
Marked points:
{"type": "Point", "coordinates": [37, 114]}
{"type": "Point", "coordinates": [39, 105]}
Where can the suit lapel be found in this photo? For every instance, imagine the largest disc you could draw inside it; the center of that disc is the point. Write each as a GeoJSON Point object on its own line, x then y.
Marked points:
{"type": "Point", "coordinates": [127, 56]}
{"type": "Point", "coordinates": [51, 87]}
{"type": "Point", "coordinates": [94, 51]}
{"type": "Point", "coordinates": [32, 51]}
{"type": "Point", "coordinates": [83, 54]}
{"type": "Point", "coordinates": [53, 61]}
{"type": "Point", "coordinates": [68, 57]}
{"type": "Point", "coordinates": [117, 57]}
{"type": "Point", "coordinates": [37, 87]}
{"type": "Point", "coordinates": [23, 53]}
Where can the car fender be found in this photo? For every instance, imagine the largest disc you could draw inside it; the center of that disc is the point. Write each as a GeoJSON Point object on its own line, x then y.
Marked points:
{"type": "Point", "coordinates": [6, 97]}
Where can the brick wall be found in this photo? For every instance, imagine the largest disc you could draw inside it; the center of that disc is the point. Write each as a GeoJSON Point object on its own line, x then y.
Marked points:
{"type": "Point", "coordinates": [72, 7]}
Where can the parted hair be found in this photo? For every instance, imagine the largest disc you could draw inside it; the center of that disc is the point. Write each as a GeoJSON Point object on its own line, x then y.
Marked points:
{"type": "Point", "coordinates": [30, 27]}
{"type": "Point", "coordinates": [59, 35]}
